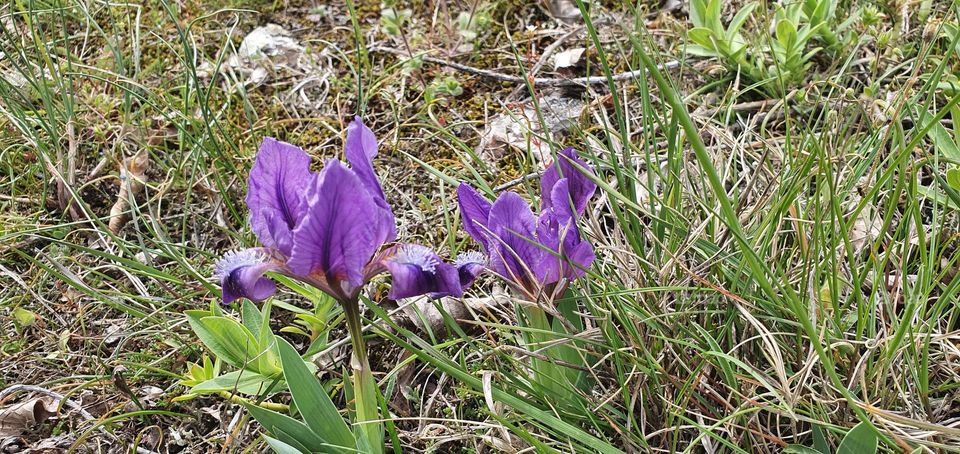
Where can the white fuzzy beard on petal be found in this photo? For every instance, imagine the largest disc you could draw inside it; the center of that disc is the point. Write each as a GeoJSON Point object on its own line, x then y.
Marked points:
{"type": "Point", "coordinates": [469, 258]}
{"type": "Point", "coordinates": [414, 254]}
{"type": "Point", "coordinates": [237, 259]}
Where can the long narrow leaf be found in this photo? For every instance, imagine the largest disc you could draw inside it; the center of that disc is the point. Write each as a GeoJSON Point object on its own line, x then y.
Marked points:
{"type": "Point", "coordinates": [312, 401]}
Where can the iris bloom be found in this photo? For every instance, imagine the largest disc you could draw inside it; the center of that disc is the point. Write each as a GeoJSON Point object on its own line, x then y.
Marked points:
{"type": "Point", "coordinates": [535, 254]}
{"type": "Point", "coordinates": [332, 229]}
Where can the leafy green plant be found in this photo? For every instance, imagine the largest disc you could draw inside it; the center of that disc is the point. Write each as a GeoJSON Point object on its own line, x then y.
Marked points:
{"type": "Point", "coordinates": [795, 25]}
{"type": "Point", "coordinates": [711, 38]}
{"type": "Point", "coordinates": [251, 378]}
{"type": "Point", "coordinates": [469, 24]}
{"type": "Point", "coordinates": [447, 86]}
{"type": "Point", "coordinates": [821, 16]}
{"type": "Point", "coordinates": [267, 364]}
{"type": "Point", "coordinates": [197, 374]}
{"type": "Point", "coordinates": [248, 346]}
{"type": "Point", "coordinates": [312, 324]}
{"type": "Point", "coordinates": [24, 318]}
{"type": "Point", "coordinates": [411, 64]}
{"type": "Point", "coordinates": [862, 439]}
{"type": "Point", "coordinates": [560, 372]}
{"type": "Point", "coordinates": [792, 33]}
{"type": "Point", "coordinates": [953, 178]}
{"type": "Point", "coordinates": [393, 19]}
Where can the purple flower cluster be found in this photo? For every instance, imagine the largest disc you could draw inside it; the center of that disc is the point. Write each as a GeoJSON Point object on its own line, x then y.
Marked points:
{"type": "Point", "coordinates": [334, 229]}
{"type": "Point", "coordinates": [535, 254]}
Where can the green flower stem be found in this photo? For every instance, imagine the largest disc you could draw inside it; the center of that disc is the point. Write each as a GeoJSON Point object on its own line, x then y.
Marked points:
{"type": "Point", "coordinates": [369, 428]}
{"type": "Point", "coordinates": [277, 407]}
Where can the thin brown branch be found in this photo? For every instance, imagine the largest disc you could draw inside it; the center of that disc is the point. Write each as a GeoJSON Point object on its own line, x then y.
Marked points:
{"type": "Point", "coordinates": [539, 81]}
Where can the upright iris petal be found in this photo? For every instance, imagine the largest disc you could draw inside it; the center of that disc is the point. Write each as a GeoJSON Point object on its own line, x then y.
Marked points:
{"type": "Point", "coordinates": [514, 253]}
{"type": "Point", "coordinates": [241, 275]}
{"type": "Point", "coordinates": [557, 230]}
{"type": "Point", "coordinates": [360, 149]}
{"type": "Point", "coordinates": [338, 236]}
{"type": "Point", "coordinates": [475, 211]}
{"type": "Point", "coordinates": [580, 187]}
{"type": "Point", "coordinates": [417, 270]}
{"type": "Point", "coordinates": [275, 193]}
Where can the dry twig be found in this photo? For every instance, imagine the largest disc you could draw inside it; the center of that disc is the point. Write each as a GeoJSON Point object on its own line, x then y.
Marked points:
{"type": "Point", "coordinates": [538, 81]}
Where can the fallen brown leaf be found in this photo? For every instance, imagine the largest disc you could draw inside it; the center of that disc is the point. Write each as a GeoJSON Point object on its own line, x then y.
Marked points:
{"type": "Point", "coordinates": [18, 418]}
{"type": "Point", "coordinates": [133, 176]}
{"type": "Point", "coordinates": [423, 313]}
{"type": "Point", "coordinates": [521, 129]}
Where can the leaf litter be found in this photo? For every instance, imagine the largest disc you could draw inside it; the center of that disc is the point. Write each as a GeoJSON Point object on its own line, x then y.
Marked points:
{"type": "Point", "coordinates": [18, 418]}
{"type": "Point", "coordinates": [271, 55]}
{"type": "Point", "coordinates": [520, 129]}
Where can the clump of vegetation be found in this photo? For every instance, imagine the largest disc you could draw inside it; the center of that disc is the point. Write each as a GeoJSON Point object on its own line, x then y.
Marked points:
{"type": "Point", "coordinates": [754, 248]}
{"type": "Point", "coordinates": [771, 62]}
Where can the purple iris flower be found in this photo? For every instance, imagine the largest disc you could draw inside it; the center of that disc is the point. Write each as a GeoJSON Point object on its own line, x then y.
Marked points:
{"type": "Point", "coordinates": [535, 253]}
{"type": "Point", "coordinates": [331, 229]}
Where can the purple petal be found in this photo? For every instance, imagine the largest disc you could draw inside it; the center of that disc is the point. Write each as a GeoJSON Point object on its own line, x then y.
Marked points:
{"type": "Point", "coordinates": [557, 231]}
{"type": "Point", "coordinates": [338, 236]}
{"type": "Point", "coordinates": [417, 270]}
{"type": "Point", "coordinates": [581, 187]}
{"type": "Point", "coordinates": [550, 268]}
{"type": "Point", "coordinates": [469, 265]}
{"type": "Point", "coordinates": [360, 149]}
{"type": "Point", "coordinates": [579, 257]}
{"type": "Point", "coordinates": [568, 255]}
{"type": "Point", "coordinates": [241, 275]}
{"type": "Point", "coordinates": [562, 211]}
{"type": "Point", "coordinates": [514, 251]}
{"type": "Point", "coordinates": [275, 192]}
{"type": "Point", "coordinates": [475, 211]}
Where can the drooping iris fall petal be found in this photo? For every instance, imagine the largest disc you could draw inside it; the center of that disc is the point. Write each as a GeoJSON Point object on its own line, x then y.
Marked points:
{"type": "Point", "coordinates": [469, 265]}
{"type": "Point", "coordinates": [276, 195]}
{"type": "Point", "coordinates": [240, 274]}
{"type": "Point", "coordinates": [417, 270]}
{"type": "Point", "coordinates": [338, 236]}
